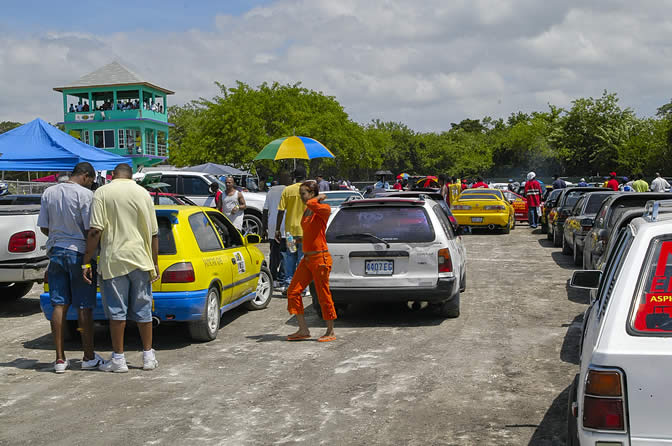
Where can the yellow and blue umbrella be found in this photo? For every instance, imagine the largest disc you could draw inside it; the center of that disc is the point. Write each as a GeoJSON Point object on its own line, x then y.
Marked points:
{"type": "Point", "coordinates": [297, 147]}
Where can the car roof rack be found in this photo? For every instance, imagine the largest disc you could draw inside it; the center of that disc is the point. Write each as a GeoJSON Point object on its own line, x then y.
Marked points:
{"type": "Point", "coordinates": [655, 207]}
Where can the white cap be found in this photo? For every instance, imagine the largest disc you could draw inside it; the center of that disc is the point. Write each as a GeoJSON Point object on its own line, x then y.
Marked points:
{"type": "Point", "coordinates": [530, 176]}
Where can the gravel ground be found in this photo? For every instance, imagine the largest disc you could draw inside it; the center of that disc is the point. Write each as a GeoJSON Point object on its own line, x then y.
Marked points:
{"type": "Point", "coordinates": [497, 375]}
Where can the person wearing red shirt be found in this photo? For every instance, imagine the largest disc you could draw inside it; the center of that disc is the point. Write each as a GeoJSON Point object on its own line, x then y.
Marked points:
{"type": "Point", "coordinates": [613, 182]}
{"type": "Point", "coordinates": [533, 196]}
{"type": "Point", "coordinates": [315, 266]}
{"type": "Point", "coordinates": [479, 183]}
{"type": "Point", "coordinates": [397, 185]}
{"type": "Point", "coordinates": [464, 184]}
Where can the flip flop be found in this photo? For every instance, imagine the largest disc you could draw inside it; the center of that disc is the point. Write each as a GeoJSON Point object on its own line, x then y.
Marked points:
{"type": "Point", "coordinates": [298, 338]}
{"type": "Point", "coordinates": [326, 338]}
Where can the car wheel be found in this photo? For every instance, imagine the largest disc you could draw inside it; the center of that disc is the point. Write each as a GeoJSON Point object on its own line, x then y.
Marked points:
{"type": "Point", "coordinates": [565, 246]}
{"type": "Point", "coordinates": [264, 291]}
{"type": "Point", "coordinates": [549, 232]}
{"type": "Point", "coordinates": [450, 308]}
{"type": "Point", "coordinates": [15, 290]}
{"type": "Point", "coordinates": [251, 224]}
{"type": "Point", "coordinates": [557, 238]}
{"type": "Point", "coordinates": [507, 228]}
{"type": "Point", "coordinates": [513, 223]}
{"type": "Point", "coordinates": [206, 328]}
{"type": "Point", "coordinates": [577, 255]}
{"type": "Point", "coordinates": [544, 228]}
{"type": "Point", "coordinates": [572, 427]}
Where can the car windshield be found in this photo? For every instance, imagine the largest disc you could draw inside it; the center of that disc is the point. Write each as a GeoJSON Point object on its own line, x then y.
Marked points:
{"type": "Point", "coordinates": [335, 199]}
{"type": "Point", "coordinates": [594, 203]}
{"type": "Point", "coordinates": [395, 224]}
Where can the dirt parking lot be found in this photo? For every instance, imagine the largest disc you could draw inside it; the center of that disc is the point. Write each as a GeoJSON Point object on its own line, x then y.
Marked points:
{"type": "Point", "coordinates": [497, 375]}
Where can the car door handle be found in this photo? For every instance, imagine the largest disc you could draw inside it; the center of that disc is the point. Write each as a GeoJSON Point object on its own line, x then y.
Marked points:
{"type": "Point", "coordinates": [233, 260]}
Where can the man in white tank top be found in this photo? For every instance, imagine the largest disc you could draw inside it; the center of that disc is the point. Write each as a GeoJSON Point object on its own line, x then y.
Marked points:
{"type": "Point", "coordinates": [233, 204]}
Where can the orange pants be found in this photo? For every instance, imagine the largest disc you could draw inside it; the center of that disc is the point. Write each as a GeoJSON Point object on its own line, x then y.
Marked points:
{"type": "Point", "coordinates": [313, 268]}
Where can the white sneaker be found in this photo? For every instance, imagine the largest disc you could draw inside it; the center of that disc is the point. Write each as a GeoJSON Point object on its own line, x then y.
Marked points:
{"type": "Point", "coordinates": [149, 363]}
{"type": "Point", "coordinates": [93, 363]}
{"type": "Point", "coordinates": [114, 365]}
{"type": "Point", "coordinates": [60, 366]}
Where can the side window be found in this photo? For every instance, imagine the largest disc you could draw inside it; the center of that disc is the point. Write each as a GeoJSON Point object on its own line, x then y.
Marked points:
{"type": "Point", "coordinates": [171, 180]}
{"type": "Point", "coordinates": [227, 232]}
{"type": "Point", "coordinates": [651, 311]}
{"type": "Point", "coordinates": [600, 221]}
{"type": "Point", "coordinates": [443, 219]}
{"type": "Point", "coordinates": [578, 206]}
{"type": "Point", "coordinates": [612, 268]}
{"type": "Point", "coordinates": [204, 232]}
{"type": "Point", "coordinates": [195, 186]}
{"type": "Point", "coordinates": [163, 200]}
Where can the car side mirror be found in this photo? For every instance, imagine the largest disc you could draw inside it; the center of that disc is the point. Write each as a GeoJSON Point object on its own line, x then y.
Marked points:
{"type": "Point", "coordinates": [586, 279]}
{"type": "Point", "coordinates": [253, 239]}
{"type": "Point", "coordinates": [603, 235]}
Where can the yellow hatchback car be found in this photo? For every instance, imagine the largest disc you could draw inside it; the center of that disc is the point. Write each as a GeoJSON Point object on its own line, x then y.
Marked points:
{"type": "Point", "coordinates": [484, 208]}
{"type": "Point", "coordinates": [207, 267]}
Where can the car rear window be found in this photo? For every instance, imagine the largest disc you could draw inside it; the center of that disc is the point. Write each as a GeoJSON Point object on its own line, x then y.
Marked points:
{"type": "Point", "coordinates": [572, 197]}
{"type": "Point", "coordinates": [166, 239]}
{"type": "Point", "coordinates": [392, 224]}
{"type": "Point", "coordinates": [652, 309]}
{"type": "Point", "coordinates": [483, 196]}
{"type": "Point", "coordinates": [594, 203]}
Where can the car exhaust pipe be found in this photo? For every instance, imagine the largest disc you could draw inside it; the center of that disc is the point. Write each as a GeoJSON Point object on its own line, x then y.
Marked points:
{"type": "Point", "coordinates": [491, 227]}
{"type": "Point", "coordinates": [417, 305]}
{"type": "Point", "coordinates": [155, 321]}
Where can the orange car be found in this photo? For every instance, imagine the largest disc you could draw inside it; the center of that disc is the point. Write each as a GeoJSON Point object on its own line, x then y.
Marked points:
{"type": "Point", "coordinates": [519, 204]}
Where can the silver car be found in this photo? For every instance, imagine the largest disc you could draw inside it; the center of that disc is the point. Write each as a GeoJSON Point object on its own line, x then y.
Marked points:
{"type": "Point", "coordinates": [395, 249]}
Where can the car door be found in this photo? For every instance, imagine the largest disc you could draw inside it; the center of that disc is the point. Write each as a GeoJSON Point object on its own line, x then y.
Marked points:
{"type": "Point", "coordinates": [244, 273]}
{"type": "Point", "coordinates": [196, 189]}
{"type": "Point", "coordinates": [213, 255]}
{"type": "Point", "coordinates": [572, 224]}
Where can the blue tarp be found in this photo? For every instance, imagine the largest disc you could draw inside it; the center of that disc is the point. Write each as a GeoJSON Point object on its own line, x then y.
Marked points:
{"type": "Point", "coordinates": [39, 146]}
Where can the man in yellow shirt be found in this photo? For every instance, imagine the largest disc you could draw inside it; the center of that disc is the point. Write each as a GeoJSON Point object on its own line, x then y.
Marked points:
{"type": "Point", "coordinates": [124, 222]}
{"type": "Point", "coordinates": [640, 185]}
{"type": "Point", "coordinates": [291, 207]}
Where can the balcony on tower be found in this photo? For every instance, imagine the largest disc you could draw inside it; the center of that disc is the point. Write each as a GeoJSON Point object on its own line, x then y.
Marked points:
{"type": "Point", "coordinates": [114, 109]}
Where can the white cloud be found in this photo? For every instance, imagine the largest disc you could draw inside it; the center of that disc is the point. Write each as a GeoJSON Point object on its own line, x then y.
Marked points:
{"type": "Point", "coordinates": [425, 63]}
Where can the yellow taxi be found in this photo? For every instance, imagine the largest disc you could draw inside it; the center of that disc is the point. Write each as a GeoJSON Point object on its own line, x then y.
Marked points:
{"type": "Point", "coordinates": [486, 208]}
{"type": "Point", "coordinates": [207, 267]}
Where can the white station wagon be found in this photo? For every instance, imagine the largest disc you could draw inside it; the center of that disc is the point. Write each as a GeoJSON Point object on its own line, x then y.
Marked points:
{"type": "Point", "coordinates": [623, 394]}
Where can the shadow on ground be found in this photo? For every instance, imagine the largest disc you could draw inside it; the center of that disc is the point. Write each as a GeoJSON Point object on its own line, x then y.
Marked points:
{"type": "Point", "coordinates": [570, 344]}
{"type": "Point", "coordinates": [546, 243]}
{"type": "Point", "coordinates": [563, 261]}
{"type": "Point", "coordinates": [25, 306]}
{"type": "Point", "coordinates": [552, 431]}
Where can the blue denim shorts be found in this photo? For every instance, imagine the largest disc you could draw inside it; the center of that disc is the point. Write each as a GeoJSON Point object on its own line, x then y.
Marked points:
{"type": "Point", "coordinates": [128, 297]}
{"type": "Point", "coordinates": [66, 281]}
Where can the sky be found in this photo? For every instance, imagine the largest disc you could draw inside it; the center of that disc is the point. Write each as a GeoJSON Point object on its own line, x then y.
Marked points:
{"type": "Point", "coordinates": [426, 63]}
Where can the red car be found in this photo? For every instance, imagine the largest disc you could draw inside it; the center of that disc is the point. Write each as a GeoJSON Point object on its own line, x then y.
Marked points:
{"type": "Point", "coordinates": [519, 204]}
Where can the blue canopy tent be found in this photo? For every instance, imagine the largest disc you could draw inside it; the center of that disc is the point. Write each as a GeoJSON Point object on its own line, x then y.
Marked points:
{"type": "Point", "coordinates": [39, 146]}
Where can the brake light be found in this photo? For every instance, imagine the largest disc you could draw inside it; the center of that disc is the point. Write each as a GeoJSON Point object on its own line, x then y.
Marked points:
{"type": "Point", "coordinates": [494, 207]}
{"type": "Point", "coordinates": [603, 402]}
{"type": "Point", "coordinates": [445, 262]}
{"type": "Point", "coordinates": [453, 220]}
{"type": "Point", "coordinates": [461, 207]}
{"type": "Point", "coordinates": [182, 272]}
{"type": "Point", "coordinates": [23, 241]}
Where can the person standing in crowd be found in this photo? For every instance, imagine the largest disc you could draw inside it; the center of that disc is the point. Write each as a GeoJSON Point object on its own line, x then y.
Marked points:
{"type": "Point", "coordinates": [269, 217]}
{"type": "Point", "coordinates": [214, 190]}
{"type": "Point", "coordinates": [659, 184]}
{"type": "Point", "coordinates": [397, 185]}
{"type": "Point", "coordinates": [533, 195]}
{"type": "Point", "coordinates": [124, 222]}
{"type": "Point", "coordinates": [443, 185]}
{"type": "Point", "coordinates": [558, 183]}
{"type": "Point", "coordinates": [381, 183]}
{"type": "Point", "coordinates": [624, 186]}
{"type": "Point", "coordinates": [640, 185]}
{"type": "Point", "coordinates": [479, 183]}
{"type": "Point", "coordinates": [612, 183]}
{"type": "Point", "coordinates": [291, 208]}
{"type": "Point", "coordinates": [315, 266]}
{"type": "Point", "coordinates": [324, 185]}
{"type": "Point", "coordinates": [582, 183]}
{"type": "Point", "coordinates": [233, 204]}
{"type": "Point", "coordinates": [454, 190]}
{"type": "Point", "coordinates": [64, 219]}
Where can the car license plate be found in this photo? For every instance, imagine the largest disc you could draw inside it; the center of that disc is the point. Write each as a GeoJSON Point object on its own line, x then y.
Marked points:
{"type": "Point", "coordinates": [477, 219]}
{"type": "Point", "coordinates": [379, 267]}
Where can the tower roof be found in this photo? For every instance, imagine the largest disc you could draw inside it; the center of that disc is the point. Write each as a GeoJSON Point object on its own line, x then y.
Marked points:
{"type": "Point", "coordinates": [112, 74]}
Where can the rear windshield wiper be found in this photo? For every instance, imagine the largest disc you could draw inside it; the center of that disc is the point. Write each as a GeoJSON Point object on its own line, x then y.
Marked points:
{"type": "Point", "coordinates": [364, 235]}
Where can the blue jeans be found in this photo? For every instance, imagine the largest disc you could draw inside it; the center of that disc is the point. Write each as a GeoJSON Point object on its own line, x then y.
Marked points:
{"type": "Point", "coordinates": [291, 261]}
{"type": "Point", "coordinates": [533, 217]}
{"type": "Point", "coordinates": [66, 281]}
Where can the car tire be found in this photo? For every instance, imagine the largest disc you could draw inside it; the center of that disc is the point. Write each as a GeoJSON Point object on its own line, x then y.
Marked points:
{"type": "Point", "coordinates": [549, 232]}
{"type": "Point", "coordinates": [252, 225]}
{"type": "Point", "coordinates": [513, 223]}
{"type": "Point", "coordinates": [507, 228]}
{"type": "Point", "coordinates": [205, 329]}
{"type": "Point", "coordinates": [572, 427]}
{"type": "Point", "coordinates": [566, 250]}
{"type": "Point", "coordinates": [264, 292]}
{"type": "Point", "coordinates": [544, 228]}
{"type": "Point", "coordinates": [71, 331]}
{"type": "Point", "coordinates": [449, 308]}
{"type": "Point", "coordinates": [577, 255]}
{"type": "Point", "coordinates": [14, 290]}
{"type": "Point", "coordinates": [557, 238]}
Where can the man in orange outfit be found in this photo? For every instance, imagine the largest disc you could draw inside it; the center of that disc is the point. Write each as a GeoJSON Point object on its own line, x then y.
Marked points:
{"type": "Point", "coordinates": [315, 266]}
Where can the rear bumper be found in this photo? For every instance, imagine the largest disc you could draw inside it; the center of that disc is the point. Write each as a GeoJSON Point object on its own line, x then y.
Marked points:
{"type": "Point", "coordinates": [488, 219]}
{"type": "Point", "coordinates": [178, 306]}
{"type": "Point", "coordinates": [445, 289]}
{"type": "Point", "coordinates": [28, 270]}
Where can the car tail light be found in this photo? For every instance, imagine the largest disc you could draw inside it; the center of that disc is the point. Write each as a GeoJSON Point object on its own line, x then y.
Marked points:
{"type": "Point", "coordinates": [586, 224]}
{"type": "Point", "coordinates": [179, 273]}
{"type": "Point", "coordinates": [445, 262]}
{"type": "Point", "coordinates": [23, 241]}
{"type": "Point", "coordinates": [453, 220]}
{"type": "Point", "coordinates": [603, 402]}
{"type": "Point", "coordinates": [461, 207]}
{"type": "Point", "coordinates": [494, 207]}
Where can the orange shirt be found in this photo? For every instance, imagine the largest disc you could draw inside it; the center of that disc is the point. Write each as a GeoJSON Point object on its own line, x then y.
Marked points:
{"type": "Point", "coordinates": [315, 225]}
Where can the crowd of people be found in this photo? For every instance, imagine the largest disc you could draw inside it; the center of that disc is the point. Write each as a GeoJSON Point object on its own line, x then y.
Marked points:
{"type": "Point", "coordinates": [121, 105]}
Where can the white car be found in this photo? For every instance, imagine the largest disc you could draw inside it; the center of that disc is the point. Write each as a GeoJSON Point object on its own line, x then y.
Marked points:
{"type": "Point", "coordinates": [335, 198]}
{"type": "Point", "coordinates": [622, 393]}
{"type": "Point", "coordinates": [395, 250]}
{"type": "Point", "coordinates": [196, 187]}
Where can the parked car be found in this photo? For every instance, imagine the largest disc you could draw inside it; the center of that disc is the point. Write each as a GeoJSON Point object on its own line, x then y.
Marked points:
{"type": "Point", "coordinates": [579, 222]}
{"type": "Point", "coordinates": [395, 250]}
{"type": "Point", "coordinates": [519, 204]}
{"type": "Point", "coordinates": [612, 208]}
{"type": "Point", "coordinates": [207, 267]}
{"type": "Point", "coordinates": [485, 208]}
{"type": "Point", "coordinates": [563, 206]}
{"type": "Point", "coordinates": [621, 394]}
{"type": "Point", "coordinates": [432, 195]}
{"type": "Point", "coordinates": [549, 200]}
{"type": "Point", "coordinates": [335, 198]}
{"type": "Point", "coordinates": [23, 253]}
{"type": "Point", "coordinates": [196, 187]}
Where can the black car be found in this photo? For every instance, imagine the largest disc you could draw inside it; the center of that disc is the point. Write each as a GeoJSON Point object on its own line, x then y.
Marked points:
{"type": "Point", "coordinates": [580, 221]}
{"type": "Point", "coordinates": [549, 201]}
{"type": "Point", "coordinates": [611, 210]}
{"type": "Point", "coordinates": [563, 206]}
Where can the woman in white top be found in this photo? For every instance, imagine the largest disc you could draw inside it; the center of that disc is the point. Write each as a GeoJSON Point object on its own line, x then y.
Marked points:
{"type": "Point", "coordinates": [233, 204]}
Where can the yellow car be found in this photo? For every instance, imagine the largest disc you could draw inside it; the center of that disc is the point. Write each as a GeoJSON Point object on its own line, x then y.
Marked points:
{"type": "Point", "coordinates": [207, 267]}
{"type": "Point", "coordinates": [484, 208]}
